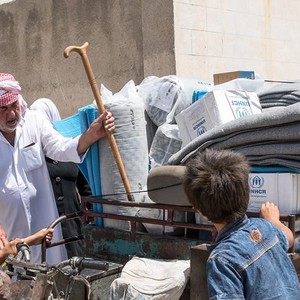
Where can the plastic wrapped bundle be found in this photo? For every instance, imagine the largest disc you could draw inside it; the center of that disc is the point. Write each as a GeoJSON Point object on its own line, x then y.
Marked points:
{"type": "Point", "coordinates": [166, 96]}
{"type": "Point", "coordinates": [165, 143]}
{"type": "Point", "coordinates": [151, 130]}
{"type": "Point", "coordinates": [130, 134]}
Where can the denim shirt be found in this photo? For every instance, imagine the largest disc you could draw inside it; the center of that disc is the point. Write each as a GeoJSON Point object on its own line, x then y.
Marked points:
{"type": "Point", "coordinates": [249, 261]}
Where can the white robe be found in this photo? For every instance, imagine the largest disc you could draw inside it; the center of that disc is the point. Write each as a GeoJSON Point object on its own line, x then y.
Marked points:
{"type": "Point", "coordinates": [27, 201]}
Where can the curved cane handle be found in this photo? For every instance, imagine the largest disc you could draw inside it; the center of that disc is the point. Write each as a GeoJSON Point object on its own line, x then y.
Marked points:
{"type": "Point", "coordinates": [79, 49]}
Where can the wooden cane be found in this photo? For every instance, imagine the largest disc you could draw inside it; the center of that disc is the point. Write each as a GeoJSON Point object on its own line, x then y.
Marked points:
{"type": "Point", "coordinates": [90, 74]}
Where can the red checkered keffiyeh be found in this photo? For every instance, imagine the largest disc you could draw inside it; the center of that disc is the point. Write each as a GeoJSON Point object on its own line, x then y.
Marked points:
{"type": "Point", "coordinates": [9, 89]}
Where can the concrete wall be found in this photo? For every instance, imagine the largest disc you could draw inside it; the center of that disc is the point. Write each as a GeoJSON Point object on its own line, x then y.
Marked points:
{"type": "Point", "coordinates": [213, 36]}
{"type": "Point", "coordinates": [132, 39]}
{"type": "Point", "coordinates": [128, 39]}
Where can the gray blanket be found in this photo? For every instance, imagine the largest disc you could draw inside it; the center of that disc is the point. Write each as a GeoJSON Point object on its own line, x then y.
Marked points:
{"type": "Point", "coordinates": [280, 95]}
{"type": "Point", "coordinates": [282, 88]}
{"type": "Point", "coordinates": [273, 134]}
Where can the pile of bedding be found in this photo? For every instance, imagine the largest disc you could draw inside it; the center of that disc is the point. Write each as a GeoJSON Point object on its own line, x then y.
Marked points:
{"type": "Point", "coordinates": [267, 139]}
{"type": "Point", "coordinates": [280, 95]}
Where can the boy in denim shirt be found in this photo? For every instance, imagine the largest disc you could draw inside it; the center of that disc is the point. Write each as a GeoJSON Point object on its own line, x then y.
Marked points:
{"type": "Point", "coordinates": [248, 259]}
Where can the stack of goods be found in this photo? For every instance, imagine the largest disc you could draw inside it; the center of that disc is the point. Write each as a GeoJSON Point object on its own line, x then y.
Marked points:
{"type": "Point", "coordinates": [99, 166]}
{"type": "Point", "coordinates": [164, 98]}
{"type": "Point", "coordinates": [270, 141]}
{"type": "Point", "coordinates": [280, 95]}
{"type": "Point", "coordinates": [269, 138]}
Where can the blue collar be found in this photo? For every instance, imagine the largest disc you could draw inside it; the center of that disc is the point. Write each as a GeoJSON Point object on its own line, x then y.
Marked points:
{"type": "Point", "coordinates": [228, 230]}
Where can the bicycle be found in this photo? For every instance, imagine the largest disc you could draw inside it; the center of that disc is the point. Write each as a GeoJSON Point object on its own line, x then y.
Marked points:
{"type": "Point", "coordinates": [43, 281]}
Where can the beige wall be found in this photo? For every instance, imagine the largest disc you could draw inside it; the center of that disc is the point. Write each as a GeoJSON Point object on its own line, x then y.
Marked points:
{"type": "Point", "coordinates": [213, 36]}
{"type": "Point", "coordinates": [132, 39]}
{"type": "Point", "coordinates": [128, 39]}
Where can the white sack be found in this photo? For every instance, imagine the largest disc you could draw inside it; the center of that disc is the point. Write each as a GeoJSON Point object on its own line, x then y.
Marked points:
{"type": "Point", "coordinates": [151, 279]}
{"type": "Point", "coordinates": [167, 96]}
{"type": "Point", "coordinates": [130, 134]}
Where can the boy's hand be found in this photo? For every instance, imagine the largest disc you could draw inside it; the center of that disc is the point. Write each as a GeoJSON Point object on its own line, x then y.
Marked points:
{"type": "Point", "coordinates": [12, 245]}
{"type": "Point", "coordinates": [10, 248]}
{"type": "Point", "coordinates": [49, 235]}
{"type": "Point", "coordinates": [270, 212]}
{"type": "Point", "coordinates": [37, 238]}
{"type": "Point", "coordinates": [46, 233]}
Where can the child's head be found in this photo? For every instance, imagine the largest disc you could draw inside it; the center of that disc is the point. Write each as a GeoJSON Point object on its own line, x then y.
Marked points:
{"type": "Point", "coordinates": [216, 183]}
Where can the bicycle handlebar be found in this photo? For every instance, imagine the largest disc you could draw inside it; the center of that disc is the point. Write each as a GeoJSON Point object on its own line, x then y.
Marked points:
{"type": "Point", "coordinates": [23, 252]}
{"type": "Point", "coordinates": [74, 262]}
{"type": "Point", "coordinates": [52, 225]}
{"type": "Point", "coordinates": [88, 263]}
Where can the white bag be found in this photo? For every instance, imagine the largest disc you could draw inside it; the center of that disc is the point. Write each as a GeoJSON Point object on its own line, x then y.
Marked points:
{"type": "Point", "coordinates": [151, 279]}
{"type": "Point", "coordinates": [130, 134]}
{"type": "Point", "coordinates": [167, 96]}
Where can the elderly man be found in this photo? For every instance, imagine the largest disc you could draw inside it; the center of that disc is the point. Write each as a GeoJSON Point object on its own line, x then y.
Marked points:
{"type": "Point", "coordinates": [27, 202]}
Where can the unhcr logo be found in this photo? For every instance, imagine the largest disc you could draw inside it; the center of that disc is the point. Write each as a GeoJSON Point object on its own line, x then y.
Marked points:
{"type": "Point", "coordinates": [256, 183]}
{"type": "Point", "coordinates": [242, 112]}
{"type": "Point", "coordinates": [201, 130]}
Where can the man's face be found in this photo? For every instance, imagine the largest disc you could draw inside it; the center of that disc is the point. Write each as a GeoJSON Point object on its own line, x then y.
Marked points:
{"type": "Point", "coordinates": [9, 117]}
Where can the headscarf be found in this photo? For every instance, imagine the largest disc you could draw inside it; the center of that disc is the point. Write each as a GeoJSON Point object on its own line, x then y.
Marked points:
{"type": "Point", "coordinates": [47, 108]}
{"type": "Point", "coordinates": [10, 91]}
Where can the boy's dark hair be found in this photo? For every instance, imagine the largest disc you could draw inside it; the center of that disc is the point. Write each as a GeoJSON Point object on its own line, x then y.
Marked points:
{"type": "Point", "coordinates": [216, 183]}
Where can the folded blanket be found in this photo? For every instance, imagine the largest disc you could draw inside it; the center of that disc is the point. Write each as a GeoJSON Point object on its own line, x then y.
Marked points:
{"type": "Point", "coordinates": [279, 134]}
{"type": "Point", "coordinates": [293, 165]}
{"type": "Point", "coordinates": [280, 88]}
{"type": "Point", "coordinates": [266, 128]}
{"type": "Point", "coordinates": [280, 95]}
{"type": "Point", "coordinates": [275, 150]}
{"type": "Point", "coordinates": [291, 95]}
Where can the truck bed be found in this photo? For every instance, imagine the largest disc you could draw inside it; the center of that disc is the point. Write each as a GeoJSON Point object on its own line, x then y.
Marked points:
{"type": "Point", "coordinates": [119, 246]}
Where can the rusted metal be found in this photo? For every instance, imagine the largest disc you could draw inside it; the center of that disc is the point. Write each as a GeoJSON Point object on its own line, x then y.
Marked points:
{"type": "Point", "coordinates": [42, 287]}
{"type": "Point", "coordinates": [198, 282]}
{"type": "Point", "coordinates": [170, 209]}
{"type": "Point", "coordinates": [106, 240]}
{"type": "Point", "coordinates": [120, 246]}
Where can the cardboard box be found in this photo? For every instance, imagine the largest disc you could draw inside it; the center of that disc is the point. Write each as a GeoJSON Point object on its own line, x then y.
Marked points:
{"type": "Point", "coordinates": [224, 77]}
{"type": "Point", "coordinates": [283, 189]}
{"type": "Point", "coordinates": [215, 108]}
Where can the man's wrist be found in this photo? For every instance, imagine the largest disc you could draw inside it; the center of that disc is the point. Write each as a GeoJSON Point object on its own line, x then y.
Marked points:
{"type": "Point", "coordinates": [83, 144]}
